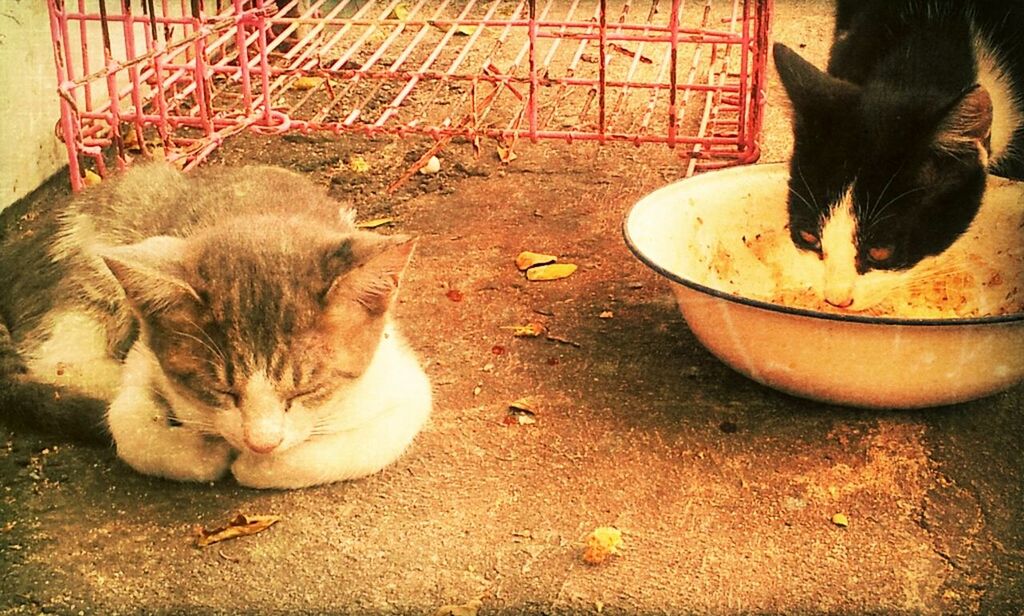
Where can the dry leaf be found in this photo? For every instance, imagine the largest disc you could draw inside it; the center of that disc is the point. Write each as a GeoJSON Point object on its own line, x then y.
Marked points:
{"type": "Point", "coordinates": [358, 164]}
{"type": "Point", "coordinates": [601, 543]}
{"type": "Point", "coordinates": [400, 12]}
{"type": "Point", "coordinates": [521, 412]}
{"type": "Point", "coordinates": [239, 526]}
{"type": "Point", "coordinates": [555, 271]}
{"type": "Point", "coordinates": [506, 154]}
{"type": "Point", "coordinates": [607, 314]}
{"type": "Point", "coordinates": [465, 30]}
{"type": "Point", "coordinates": [530, 330]}
{"type": "Point", "coordinates": [522, 405]}
{"type": "Point", "coordinates": [466, 609]}
{"type": "Point", "coordinates": [527, 259]}
{"type": "Point", "coordinates": [840, 519]}
{"type": "Point", "coordinates": [433, 166]}
{"type": "Point", "coordinates": [373, 223]}
{"type": "Point", "coordinates": [91, 178]}
{"type": "Point", "coordinates": [307, 83]}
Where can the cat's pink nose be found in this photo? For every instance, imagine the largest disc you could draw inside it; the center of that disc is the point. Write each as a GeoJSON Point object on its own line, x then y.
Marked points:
{"type": "Point", "coordinates": [262, 447]}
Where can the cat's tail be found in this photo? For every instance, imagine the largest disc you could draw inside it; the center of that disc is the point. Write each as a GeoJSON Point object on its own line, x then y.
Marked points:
{"type": "Point", "coordinates": [47, 408]}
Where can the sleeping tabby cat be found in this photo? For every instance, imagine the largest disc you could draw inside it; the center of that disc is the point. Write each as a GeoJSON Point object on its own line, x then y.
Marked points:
{"type": "Point", "coordinates": [232, 319]}
{"type": "Point", "coordinates": [892, 144]}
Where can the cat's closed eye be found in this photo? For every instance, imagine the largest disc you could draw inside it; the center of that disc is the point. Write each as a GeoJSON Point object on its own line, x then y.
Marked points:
{"type": "Point", "coordinates": [227, 395]}
{"type": "Point", "coordinates": [310, 392]}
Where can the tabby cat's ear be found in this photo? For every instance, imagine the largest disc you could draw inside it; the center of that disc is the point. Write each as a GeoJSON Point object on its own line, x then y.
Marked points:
{"type": "Point", "coordinates": [810, 89]}
{"type": "Point", "coordinates": [150, 272]}
{"type": "Point", "coordinates": [966, 127]}
{"type": "Point", "coordinates": [380, 262]}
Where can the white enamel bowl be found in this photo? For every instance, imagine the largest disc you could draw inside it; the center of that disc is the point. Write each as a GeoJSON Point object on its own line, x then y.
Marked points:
{"type": "Point", "coordinates": [840, 359]}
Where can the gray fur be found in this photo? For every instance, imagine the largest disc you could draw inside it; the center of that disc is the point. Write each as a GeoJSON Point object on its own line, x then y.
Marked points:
{"type": "Point", "coordinates": [222, 271]}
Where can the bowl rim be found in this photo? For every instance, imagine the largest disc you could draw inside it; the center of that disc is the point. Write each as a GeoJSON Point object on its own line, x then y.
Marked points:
{"type": "Point", "coordinates": [778, 308]}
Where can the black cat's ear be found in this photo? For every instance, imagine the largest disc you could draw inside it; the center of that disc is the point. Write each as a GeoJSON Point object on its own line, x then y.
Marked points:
{"type": "Point", "coordinates": [379, 264]}
{"type": "Point", "coordinates": [809, 88]}
{"type": "Point", "coordinates": [150, 272]}
{"type": "Point", "coordinates": [966, 127]}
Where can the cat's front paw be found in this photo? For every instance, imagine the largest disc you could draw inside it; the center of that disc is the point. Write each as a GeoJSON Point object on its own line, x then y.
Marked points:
{"type": "Point", "coordinates": [178, 454]}
{"type": "Point", "coordinates": [256, 471]}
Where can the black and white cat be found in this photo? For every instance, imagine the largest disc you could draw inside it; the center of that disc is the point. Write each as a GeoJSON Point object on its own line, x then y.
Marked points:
{"type": "Point", "coordinates": [233, 319]}
{"type": "Point", "coordinates": [921, 99]}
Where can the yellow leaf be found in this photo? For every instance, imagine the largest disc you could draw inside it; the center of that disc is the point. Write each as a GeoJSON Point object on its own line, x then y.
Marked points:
{"type": "Point", "coordinates": [601, 543]}
{"type": "Point", "coordinates": [530, 330]}
{"type": "Point", "coordinates": [607, 314]}
{"type": "Point", "coordinates": [400, 12]}
{"type": "Point", "coordinates": [840, 519]}
{"type": "Point", "coordinates": [505, 154]}
{"type": "Point", "coordinates": [91, 178]}
{"type": "Point", "coordinates": [239, 526]}
{"type": "Point", "coordinates": [526, 259]}
{"type": "Point", "coordinates": [358, 164]}
{"type": "Point", "coordinates": [555, 271]}
{"type": "Point", "coordinates": [307, 83]}
{"type": "Point", "coordinates": [465, 30]}
{"type": "Point", "coordinates": [522, 405]}
{"type": "Point", "coordinates": [374, 223]}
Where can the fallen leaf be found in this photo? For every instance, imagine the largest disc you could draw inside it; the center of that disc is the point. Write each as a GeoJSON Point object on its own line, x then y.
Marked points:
{"type": "Point", "coordinates": [555, 271]}
{"type": "Point", "coordinates": [466, 609]}
{"type": "Point", "coordinates": [840, 519]}
{"type": "Point", "coordinates": [433, 166]}
{"type": "Point", "coordinates": [373, 223]}
{"type": "Point", "coordinates": [400, 12]}
{"type": "Point", "coordinates": [239, 526]}
{"type": "Point", "coordinates": [506, 154]}
{"type": "Point", "coordinates": [526, 259]}
{"type": "Point", "coordinates": [91, 178]}
{"type": "Point", "coordinates": [562, 340]}
{"type": "Point", "coordinates": [465, 30]}
{"type": "Point", "coordinates": [530, 330]}
{"type": "Point", "coordinates": [521, 412]}
{"type": "Point", "coordinates": [476, 390]}
{"type": "Point", "coordinates": [522, 405]}
{"type": "Point", "coordinates": [358, 164]}
{"type": "Point", "coordinates": [307, 83]}
{"type": "Point", "coordinates": [607, 314]}
{"type": "Point", "coordinates": [601, 543]}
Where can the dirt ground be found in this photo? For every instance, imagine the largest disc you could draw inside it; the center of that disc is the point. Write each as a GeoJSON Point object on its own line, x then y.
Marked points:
{"type": "Point", "coordinates": [724, 490]}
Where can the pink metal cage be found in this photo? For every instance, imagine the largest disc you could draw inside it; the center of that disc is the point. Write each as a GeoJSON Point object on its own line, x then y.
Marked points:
{"type": "Point", "coordinates": [180, 76]}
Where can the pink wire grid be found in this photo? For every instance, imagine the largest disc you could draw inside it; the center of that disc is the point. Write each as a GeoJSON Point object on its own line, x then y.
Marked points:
{"type": "Point", "coordinates": [180, 76]}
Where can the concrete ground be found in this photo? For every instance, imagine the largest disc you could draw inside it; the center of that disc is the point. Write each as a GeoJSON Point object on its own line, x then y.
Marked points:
{"type": "Point", "coordinates": [724, 490]}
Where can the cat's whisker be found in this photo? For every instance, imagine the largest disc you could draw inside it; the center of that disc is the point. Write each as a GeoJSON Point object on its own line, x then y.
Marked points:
{"type": "Point", "coordinates": [890, 202]}
{"type": "Point", "coordinates": [217, 352]}
{"type": "Point", "coordinates": [808, 187]}
{"type": "Point", "coordinates": [802, 199]}
{"type": "Point", "coordinates": [206, 334]}
{"type": "Point", "coordinates": [871, 214]}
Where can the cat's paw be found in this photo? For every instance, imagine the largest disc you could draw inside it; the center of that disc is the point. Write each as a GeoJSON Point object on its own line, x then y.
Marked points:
{"type": "Point", "coordinates": [179, 455]}
{"type": "Point", "coordinates": [257, 471]}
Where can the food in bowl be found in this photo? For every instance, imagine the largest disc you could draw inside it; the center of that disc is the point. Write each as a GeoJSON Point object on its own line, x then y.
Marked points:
{"type": "Point", "coordinates": [982, 274]}
{"type": "Point", "coordinates": [757, 307]}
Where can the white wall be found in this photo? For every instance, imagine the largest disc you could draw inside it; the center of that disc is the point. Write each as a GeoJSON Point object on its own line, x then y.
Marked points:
{"type": "Point", "coordinates": [29, 109]}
